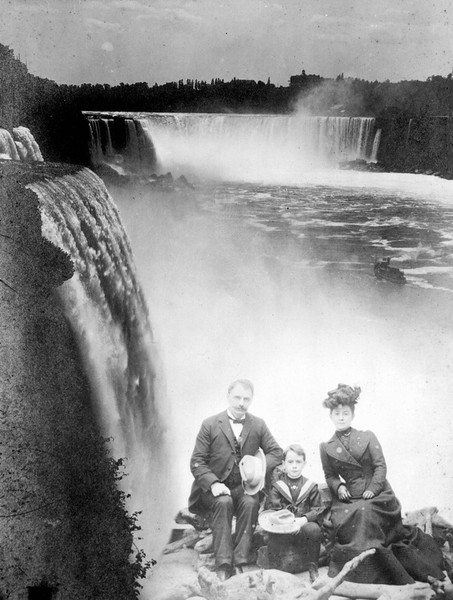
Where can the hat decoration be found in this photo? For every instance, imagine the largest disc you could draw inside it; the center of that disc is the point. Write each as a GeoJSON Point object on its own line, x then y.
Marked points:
{"type": "Point", "coordinates": [278, 521]}
{"type": "Point", "coordinates": [346, 395]}
{"type": "Point", "coordinates": [253, 472]}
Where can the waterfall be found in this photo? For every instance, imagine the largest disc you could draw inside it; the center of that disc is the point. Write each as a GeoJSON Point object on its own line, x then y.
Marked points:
{"type": "Point", "coordinates": [375, 149]}
{"type": "Point", "coordinates": [8, 148]}
{"type": "Point", "coordinates": [132, 144]}
{"type": "Point", "coordinates": [26, 144]}
{"type": "Point", "coordinates": [227, 146]}
{"type": "Point", "coordinates": [105, 125]}
{"type": "Point", "coordinates": [19, 146]}
{"type": "Point", "coordinates": [123, 144]}
{"type": "Point", "coordinates": [97, 156]}
{"type": "Point", "coordinates": [105, 306]}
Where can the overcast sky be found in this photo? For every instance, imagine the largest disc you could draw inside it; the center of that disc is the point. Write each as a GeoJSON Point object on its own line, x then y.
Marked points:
{"type": "Point", "coordinates": [112, 41]}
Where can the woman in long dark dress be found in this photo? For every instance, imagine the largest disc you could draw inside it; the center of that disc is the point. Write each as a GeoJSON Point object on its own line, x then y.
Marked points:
{"type": "Point", "coordinates": [365, 512]}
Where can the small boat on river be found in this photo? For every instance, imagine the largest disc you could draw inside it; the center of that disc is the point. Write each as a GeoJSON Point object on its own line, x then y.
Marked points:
{"type": "Point", "coordinates": [383, 270]}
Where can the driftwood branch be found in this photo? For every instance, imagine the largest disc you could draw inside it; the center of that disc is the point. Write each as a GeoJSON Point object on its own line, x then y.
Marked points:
{"type": "Point", "coordinates": [372, 591]}
{"type": "Point", "coordinates": [271, 584]}
{"type": "Point", "coordinates": [331, 584]}
{"type": "Point", "coordinates": [188, 540]}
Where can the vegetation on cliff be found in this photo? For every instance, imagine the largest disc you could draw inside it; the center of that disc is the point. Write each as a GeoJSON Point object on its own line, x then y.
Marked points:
{"type": "Point", "coordinates": [63, 518]}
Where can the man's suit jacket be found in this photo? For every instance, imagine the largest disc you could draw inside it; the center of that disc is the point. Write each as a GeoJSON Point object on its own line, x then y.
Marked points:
{"type": "Point", "coordinates": [214, 455]}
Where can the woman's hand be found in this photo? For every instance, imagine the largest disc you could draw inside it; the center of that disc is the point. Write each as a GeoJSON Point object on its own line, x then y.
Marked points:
{"type": "Point", "coordinates": [368, 494]}
{"type": "Point", "coordinates": [343, 493]}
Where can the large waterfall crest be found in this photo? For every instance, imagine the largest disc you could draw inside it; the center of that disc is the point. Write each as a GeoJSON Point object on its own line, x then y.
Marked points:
{"type": "Point", "coordinates": [104, 303]}
{"type": "Point", "coordinates": [229, 147]}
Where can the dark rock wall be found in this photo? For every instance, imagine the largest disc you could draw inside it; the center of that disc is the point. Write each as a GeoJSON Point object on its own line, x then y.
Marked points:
{"type": "Point", "coordinates": [62, 519]}
{"type": "Point", "coordinates": [424, 143]}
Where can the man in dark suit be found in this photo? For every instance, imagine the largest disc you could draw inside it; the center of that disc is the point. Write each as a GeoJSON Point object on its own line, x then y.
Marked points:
{"type": "Point", "coordinates": [224, 439]}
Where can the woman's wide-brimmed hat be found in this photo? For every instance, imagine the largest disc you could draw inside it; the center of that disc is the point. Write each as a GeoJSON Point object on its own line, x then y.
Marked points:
{"type": "Point", "coordinates": [253, 472]}
{"type": "Point", "coordinates": [278, 521]}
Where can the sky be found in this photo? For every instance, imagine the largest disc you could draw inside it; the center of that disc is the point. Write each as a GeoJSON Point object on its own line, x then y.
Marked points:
{"type": "Point", "coordinates": [155, 41]}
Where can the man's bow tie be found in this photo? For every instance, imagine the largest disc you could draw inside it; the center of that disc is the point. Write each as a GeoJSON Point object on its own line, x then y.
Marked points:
{"type": "Point", "coordinates": [240, 421]}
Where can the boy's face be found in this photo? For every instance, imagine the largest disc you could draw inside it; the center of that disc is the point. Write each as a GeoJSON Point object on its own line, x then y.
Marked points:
{"type": "Point", "coordinates": [294, 463]}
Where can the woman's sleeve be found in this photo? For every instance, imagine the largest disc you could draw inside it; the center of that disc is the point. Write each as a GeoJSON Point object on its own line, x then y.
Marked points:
{"type": "Point", "coordinates": [377, 482]}
{"type": "Point", "coordinates": [332, 478]}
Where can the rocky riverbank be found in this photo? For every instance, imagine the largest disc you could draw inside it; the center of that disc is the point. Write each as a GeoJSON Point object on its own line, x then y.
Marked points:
{"type": "Point", "coordinates": [376, 167]}
{"type": "Point", "coordinates": [186, 569]}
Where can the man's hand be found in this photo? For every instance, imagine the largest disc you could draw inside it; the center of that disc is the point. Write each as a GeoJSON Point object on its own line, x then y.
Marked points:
{"type": "Point", "coordinates": [367, 495]}
{"type": "Point", "coordinates": [219, 489]}
{"type": "Point", "coordinates": [343, 493]}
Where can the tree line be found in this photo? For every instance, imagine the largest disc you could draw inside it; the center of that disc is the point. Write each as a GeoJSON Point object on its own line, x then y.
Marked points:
{"type": "Point", "coordinates": [53, 111]}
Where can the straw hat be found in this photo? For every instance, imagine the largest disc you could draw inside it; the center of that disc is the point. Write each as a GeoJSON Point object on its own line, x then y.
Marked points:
{"type": "Point", "coordinates": [253, 472]}
{"type": "Point", "coordinates": [278, 521]}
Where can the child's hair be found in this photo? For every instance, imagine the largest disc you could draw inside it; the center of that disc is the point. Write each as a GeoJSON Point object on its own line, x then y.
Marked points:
{"type": "Point", "coordinates": [296, 448]}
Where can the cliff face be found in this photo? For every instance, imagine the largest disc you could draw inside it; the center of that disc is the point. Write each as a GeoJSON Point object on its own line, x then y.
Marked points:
{"type": "Point", "coordinates": [423, 143]}
{"type": "Point", "coordinates": [62, 520]}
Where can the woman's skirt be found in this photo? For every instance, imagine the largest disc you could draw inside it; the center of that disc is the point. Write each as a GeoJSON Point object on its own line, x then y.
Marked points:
{"type": "Point", "coordinates": [403, 554]}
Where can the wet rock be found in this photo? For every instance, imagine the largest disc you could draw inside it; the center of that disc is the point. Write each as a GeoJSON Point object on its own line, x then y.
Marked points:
{"type": "Point", "coordinates": [112, 175]}
{"type": "Point", "coordinates": [204, 545]}
{"type": "Point", "coordinates": [182, 182]}
{"type": "Point", "coordinates": [361, 165]}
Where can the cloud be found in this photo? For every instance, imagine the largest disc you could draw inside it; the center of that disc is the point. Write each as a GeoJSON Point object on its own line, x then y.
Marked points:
{"type": "Point", "coordinates": [130, 5]}
{"type": "Point", "coordinates": [104, 25]}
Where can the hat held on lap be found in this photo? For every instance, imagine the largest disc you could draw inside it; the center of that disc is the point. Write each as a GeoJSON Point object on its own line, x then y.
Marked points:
{"type": "Point", "coordinates": [278, 521]}
{"type": "Point", "coordinates": [253, 472]}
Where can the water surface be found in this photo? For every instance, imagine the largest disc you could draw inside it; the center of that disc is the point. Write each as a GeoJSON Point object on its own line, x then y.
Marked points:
{"type": "Point", "coordinates": [275, 283]}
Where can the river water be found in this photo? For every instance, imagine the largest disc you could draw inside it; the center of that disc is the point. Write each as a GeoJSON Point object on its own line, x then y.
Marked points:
{"type": "Point", "coordinates": [275, 283]}
{"type": "Point", "coordinates": [265, 271]}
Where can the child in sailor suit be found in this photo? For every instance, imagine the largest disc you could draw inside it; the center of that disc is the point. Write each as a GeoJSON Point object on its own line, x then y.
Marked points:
{"type": "Point", "coordinates": [299, 550]}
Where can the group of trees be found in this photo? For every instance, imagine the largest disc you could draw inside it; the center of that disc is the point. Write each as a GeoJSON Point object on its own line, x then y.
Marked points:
{"type": "Point", "coordinates": [53, 111]}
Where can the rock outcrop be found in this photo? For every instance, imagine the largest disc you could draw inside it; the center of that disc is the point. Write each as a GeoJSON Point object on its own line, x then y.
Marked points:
{"type": "Point", "coordinates": [62, 520]}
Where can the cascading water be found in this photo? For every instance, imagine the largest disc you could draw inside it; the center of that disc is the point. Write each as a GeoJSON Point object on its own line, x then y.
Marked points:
{"type": "Point", "coordinates": [97, 154]}
{"type": "Point", "coordinates": [19, 146]}
{"type": "Point", "coordinates": [105, 306]}
{"type": "Point", "coordinates": [375, 149]}
{"type": "Point", "coordinates": [124, 144]}
{"type": "Point", "coordinates": [7, 146]}
{"type": "Point", "coordinates": [254, 147]}
{"type": "Point", "coordinates": [27, 145]}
